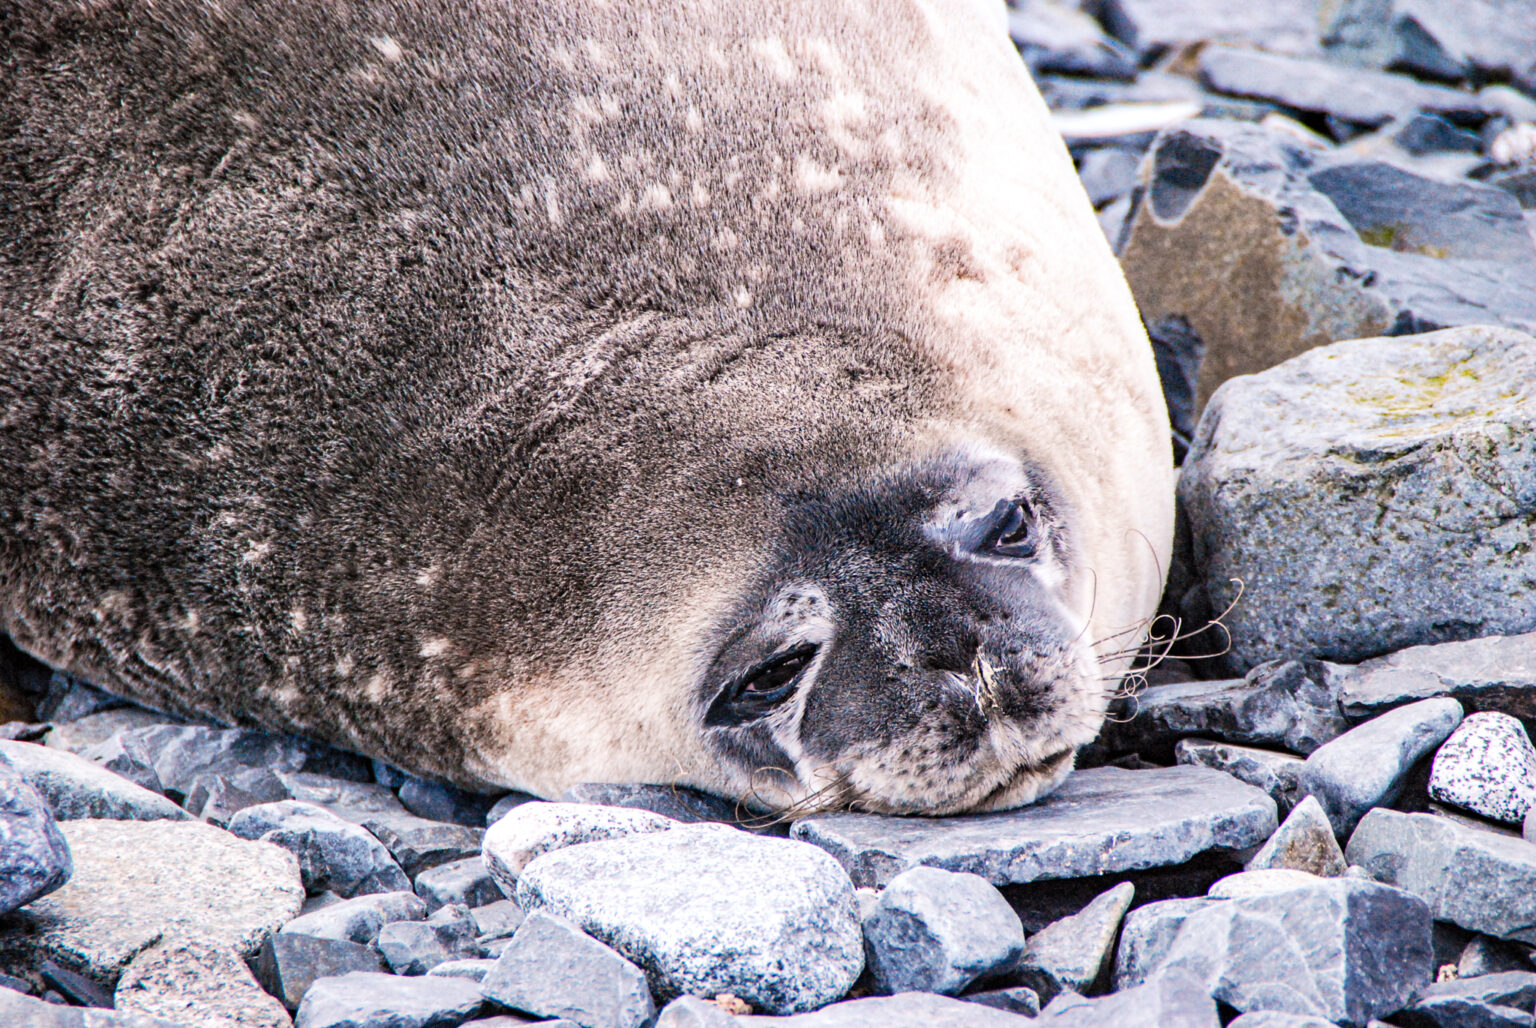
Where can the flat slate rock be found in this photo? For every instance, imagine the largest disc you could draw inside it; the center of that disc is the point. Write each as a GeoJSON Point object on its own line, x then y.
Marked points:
{"type": "Point", "coordinates": [705, 909]}
{"type": "Point", "coordinates": [358, 919]}
{"type": "Point", "coordinates": [1497, 672]}
{"type": "Point", "coordinates": [1100, 821]}
{"type": "Point", "coordinates": [553, 969]}
{"type": "Point", "coordinates": [1484, 881]}
{"type": "Point", "coordinates": [26, 1012]}
{"type": "Point", "coordinates": [34, 857]}
{"type": "Point", "coordinates": [136, 880]}
{"type": "Point", "coordinates": [290, 963]}
{"type": "Point", "coordinates": [1274, 772]}
{"type": "Point", "coordinates": [905, 1010]}
{"type": "Point", "coordinates": [1168, 1002]}
{"type": "Point", "coordinates": [76, 788]}
{"type": "Point", "coordinates": [364, 1000]}
{"type": "Point", "coordinates": [418, 844]}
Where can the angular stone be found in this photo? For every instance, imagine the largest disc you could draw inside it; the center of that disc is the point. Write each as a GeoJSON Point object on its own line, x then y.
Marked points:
{"type": "Point", "coordinates": [1487, 955]}
{"type": "Point", "coordinates": [908, 1010]}
{"type": "Point", "coordinates": [76, 788]}
{"type": "Point", "coordinates": [1489, 1001]}
{"type": "Point", "coordinates": [1168, 1002]}
{"type": "Point", "coordinates": [358, 920]}
{"type": "Point", "coordinates": [1292, 703]}
{"type": "Point", "coordinates": [681, 804]}
{"type": "Point", "coordinates": [347, 799]}
{"type": "Point", "coordinates": [26, 1012]}
{"type": "Point", "coordinates": [1277, 1019]}
{"type": "Point", "coordinates": [1304, 842]}
{"type": "Point", "coordinates": [70, 699]}
{"type": "Point", "coordinates": [34, 857]}
{"type": "Point", "coordinates": [497, 920]}
{"type": "Point", "coordinates": [1147, 936]}
{"type": "Point", "coordinates": [1263, 882]}
{"type": "Point", "coordinates": [1367, 766]}
{"type": "Point", "coordinates": [418, 844]}
{"type": "Point", "coordinates": [290, 963]}
{"type": "Point", "coordinates": [135, 881]}
{"type": "Point", "coordinates": [1155, 26]}
{"type": "Point", "coordinates": [1487, 766]}
{"type": "Point", "coordinates": [333, 855]}
{"type": "Point", "coordinates": [471, 968]}
{"type": "Point", "coordinates": [1017, 999]}
{"type": "Point", "coordinates": [182, 752]}
{"type": "Point", "coordinates": [1497, 672]}
{"type": "Point", "coordinates": [1430, 133]}
{"type": "Point", "coordinates": [1058, 37]}
{"type": "Point", "coordinates": [1328, 484]}
{"type": "Point", "coordinates": [217, 796]}
{"type": "Point", "coordinates": [1099, 821]}
{"type": "Point", "coordinates": [81, 735]}
{"type": "Point", "coordinates": [1275, 773]}
{"type": "Point", "coordinates": [416, 947]}
{"type": "Point", "coordinates": [195, 982]}
{"type": "Point", "coordinates": [1486, 38]}
{"type": "Point", "coordinates": [363, 1000]}
{"type": "Point", "coordinates": [507, 803]}
{"type": "Point", "coordinates": [706, 909]}
{"type": "Point", "coordinates": [462, 881]}
{"type": "Point", "coordinates": [437, 801]}
{"type": "Point", "coordinates": [1358, 96]}
{"type": "Point", "coordinates": [1340, 949]}
{"type": "Point", "coordinates": [1483, 881]}
{"type": "Point", "coordinates": [553, 970]}
{"type": "Point", "coordinates": [938, 931]}
{"type": "Point", "coordinates": [693, 1012]}
{"type": "Point", "coordinates": [1069, 955]}
{"type": "Point", "coordinates": [532, 829]}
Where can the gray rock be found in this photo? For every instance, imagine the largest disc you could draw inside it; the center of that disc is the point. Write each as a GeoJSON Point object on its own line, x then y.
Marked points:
{"type": "Point", "coordinates": [135, 881]}
{"type": "Point", "coordinates": [438, 801]}
{"type": "Point", "coordinates": [34, 857]}
{"type": "Point", "coordinates": [908, 1010]}
{"type": "Point", "coordinates": [363, 1000]}
{"type": "Point", "coordinates": [69, 699]}
{"type": "Point", "coordinates": [462, 881]}
{"type": "Point", "coordinates": [1294, 704]}
{"type": "Point", "coordinates": [1147, 936]}
{"type": "Point", "coordinates": [1016, 999]}
{"type": "Point", "coordinates": [553, 970]}
{"type": "Point", "coordinates": [471, 968]}
{"type": "Point", "coordinates": [509, 802]}
{"type": "Point", "coordinates": [938, 931]}
{"type": "Point", "coordinates": [1059, 37]}
{"type": "Point", "coordinates": [1304, 842]}
{"type": "Point", "coordinates": [1168, 1002]}
{"type": "Point", "coordinates": [1340, 949]}
{"type": "Point", "coordinates": [706, 909]}
{"type": "Point", "coordinates": [217, 796]}
{"type": "Point", "coordinates": [349, 800]}
{"type": "Point", "coordinates": [1486, 955]}
{"type": "Point", "coordinates": [1483, 881]}
{"type": "Point", "coordinates": [532, 829]}
{"type": "Point", "coordinates": [693, 1012]}
{"type": "Point", "coordinates": [497, 920]}
{"type": "Point", "coordinates": [1487, 766]}
{"type": "Point", "coordinates": [1358, 96]}
{"type": "Point", "coordinates": [1277, 1019]}
{"type": "Point", "coordinates": [1493, 673]}
{"type": "Point", "coordinates": [1430, 133]}
{"type": "Point", "coordinates": [289, 963]}
{"type": "Point", "coordinates": [182, 752]}
{"type": "Point", "coordinates": [78, 736]}
{"type": "Point", "coordinates": [387, 775]}
{"type": "Point", "coordinates": [333, 855]}
{"type": "Point", "coordinates": [418, 844]}
{"type": "Point", "coordinates": [1154, 26]}
{"type": "Point", "coordinates": [1367, 766]}
{"type": "Point", "coordinates": [1275, 773]}
{"type": "Point", "coordinates": [1485, 38]}
{"type": "Point", "coordinates": [1069, 955]}
{"type": "Point", "coordinates": [20, 1010]}
{"type": "Point", "coordinates": [195, 982]}
{"type": "Point", "coordinates": [1108, 173]}
{"type": "Point", "coordinates": [1329, 483]}
{"type": "Point", "coordinates": [359, 920]}
{"type": "Point", "coordinates": [1101, 820]}
{"type": "Point", "coordinates": [416, 947]}
{"type": "Point", "coordinates": [681, 804]}
{"type": "Point", "coordinates": [1262, 882]}
{"type": "Point", "coordinates": [126, 757]}
{"type": "Point", "coordinates": [1491, 1001]}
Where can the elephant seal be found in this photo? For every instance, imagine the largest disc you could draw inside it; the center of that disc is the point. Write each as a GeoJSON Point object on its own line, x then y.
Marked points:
{"type": "Point", "coordinates": [735, 396]}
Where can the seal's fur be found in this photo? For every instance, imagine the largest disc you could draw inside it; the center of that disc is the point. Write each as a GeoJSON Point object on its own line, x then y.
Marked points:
{"type": "Point", "coordinates": [480, 385]}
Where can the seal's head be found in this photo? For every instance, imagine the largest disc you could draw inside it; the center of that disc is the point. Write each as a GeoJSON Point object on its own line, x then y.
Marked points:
{"type": "Point", "coordinates": [912, 647]}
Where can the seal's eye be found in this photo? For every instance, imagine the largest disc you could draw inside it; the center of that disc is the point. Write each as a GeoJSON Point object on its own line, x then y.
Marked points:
{"type": "Point", "coordinates": [761, 688]}
{"type": "Point", "coordinates": [1015, 534]}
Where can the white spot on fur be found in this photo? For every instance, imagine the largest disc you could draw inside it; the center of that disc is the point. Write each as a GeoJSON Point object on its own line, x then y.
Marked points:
{"type": "Point", "coordinates": [771, 50]}
{"type": "Point", "coordinates": [693, 119]}
{"type": "Point", "coordinates": [597, 171]}
{"type": "Point", "coordinates": [698, 194]}
{"type": "Point", "coordinates": [246, 121]}
{"type": "Point", "coordinates": [387, 48]}
{"type": "Point", "coordinates": [299, 619]}
{"type": "Point", "coordinates": [552, 203]}
{"type": "Point", "coordinates": [725, 239]}
{"type": "Point", "coordinates": [811, 177]}
{"type": "Point", "coordinates": [673, 85]}
{"type": "Point", "coordinates": [256, 552]}
{"type": "Point", "coordinates": [434, 647]}
{"type": "Point", "coordinates": [191, 623]}
{"type": "Point", "coordinates": [287, 696]}
{"type": "Point", "coordinates": [656, 197]}
{"type": "Point", "coordinates": [345, 665]}
{"type": "Point", "coordinates": [828, 60]}
{"type": "Point", "coordinates": [742, 297]}
{"type": "Point", "coordinates": [377, 687]}
{"type": "Point", "coordinates": [220, 451]}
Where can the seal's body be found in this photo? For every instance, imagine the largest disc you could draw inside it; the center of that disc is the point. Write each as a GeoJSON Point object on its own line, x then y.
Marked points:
{"type": "Point", "coordinates": [710, 394]}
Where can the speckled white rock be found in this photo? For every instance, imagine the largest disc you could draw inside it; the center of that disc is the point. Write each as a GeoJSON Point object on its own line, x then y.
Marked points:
{"type": "Point", "coordinates": [705, 909]}
{"type": "Point", "coordinates": [1261, 882]}
{"type": "Point", "coordinates": [1487, 766]}
{"type": "Point", "coordinates": [532, 829]}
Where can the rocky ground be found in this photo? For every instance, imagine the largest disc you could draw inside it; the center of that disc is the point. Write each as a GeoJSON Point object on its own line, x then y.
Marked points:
{"type": "Point", "coordinates": [1319, 812]}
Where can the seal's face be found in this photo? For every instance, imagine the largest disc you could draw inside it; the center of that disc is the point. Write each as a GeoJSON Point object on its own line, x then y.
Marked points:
{"type": "Point", "coordinates": [912, 648]}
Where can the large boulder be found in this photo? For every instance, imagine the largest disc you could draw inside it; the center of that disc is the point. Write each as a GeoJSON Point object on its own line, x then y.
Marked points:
{"type": "Point", "coordinates": [1367, 496]}
{"type": "Point", "coordinates": [34, 858]}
